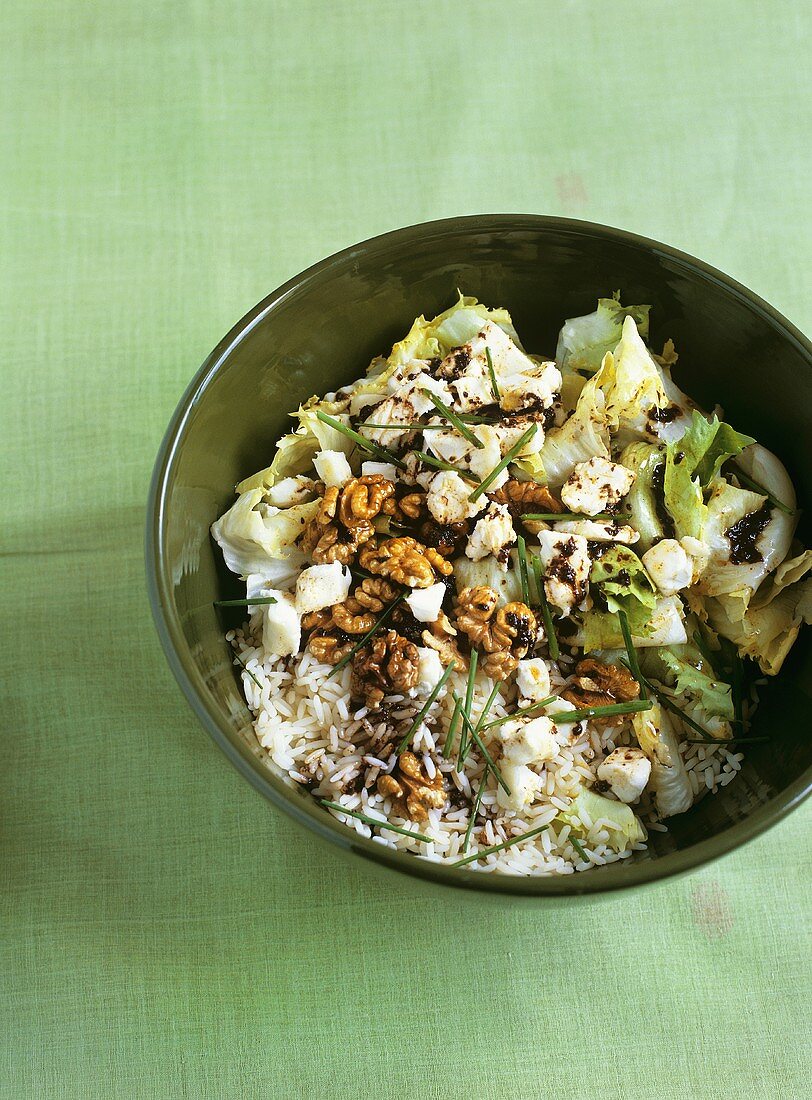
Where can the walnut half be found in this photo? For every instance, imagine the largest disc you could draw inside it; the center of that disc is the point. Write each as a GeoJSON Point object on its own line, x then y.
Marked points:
{"type": "Point", "coordinates": [411, 790]}
{"type": "Point", "coordinates": [389, 664]}
{"type": "Point", "coordinates": [406, 561]}
{"type": "Point", "coordinates": [596, 684]}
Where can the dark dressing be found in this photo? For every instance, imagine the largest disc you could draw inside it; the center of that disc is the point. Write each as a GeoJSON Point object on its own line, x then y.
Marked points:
{"type": "Point", "coordinates": [658, 492]}
{"type": "Point", "coordinates": [743, 535]}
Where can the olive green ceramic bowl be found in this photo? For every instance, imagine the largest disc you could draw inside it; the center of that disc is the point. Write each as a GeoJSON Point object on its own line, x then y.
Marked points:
{"type": "Point", "coordinates": [320, 330]}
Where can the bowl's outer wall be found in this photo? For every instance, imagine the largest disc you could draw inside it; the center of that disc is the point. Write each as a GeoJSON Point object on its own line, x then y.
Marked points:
{"type": "Point", "coordinates": [322, 332]}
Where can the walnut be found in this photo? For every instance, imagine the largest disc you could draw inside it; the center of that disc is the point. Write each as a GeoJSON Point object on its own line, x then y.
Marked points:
{"type": "Point", "coordinates": [343, 521]}
{"type": "Point", "coordinates": [596, 684]}
{"type": "Point", "coordinates": [327, 647]}
{"type": "Point", "coordinates": [441, 636]}
{"type": "Point", "coordinates": [411, 790]}
{"type": "Point", "coordinates": [505, 634]}
{"type": "Point", "coordinates": [404, 560]}
{"type": "Point", "coordinates": [500, 665]}
{"type": "Point", "coordinates": [352, 617]}
{"type": "Point", "coordinates": [527, 496]}
{"type": "Point", "coordinates": [318, 620]}
{"type": "Point", "coordinates": [447, 538]}
{"type": "Point", "coordinates": [387, 665]}
{"type": "Point", "coordinates": [413, 505]}
{"type": "Point", "coordinates": [375, 593]}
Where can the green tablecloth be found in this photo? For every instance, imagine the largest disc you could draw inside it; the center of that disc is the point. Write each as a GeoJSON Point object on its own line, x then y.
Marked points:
{"type": "Point", "coordinates": [164, 932]}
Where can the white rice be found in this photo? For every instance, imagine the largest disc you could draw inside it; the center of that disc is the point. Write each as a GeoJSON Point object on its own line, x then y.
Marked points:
{"type": "Point", "coordinates": [313, 736]}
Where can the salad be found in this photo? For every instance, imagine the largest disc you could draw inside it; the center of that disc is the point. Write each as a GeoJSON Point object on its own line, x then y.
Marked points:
{"type": "Point", "coordinates": [510, 612]}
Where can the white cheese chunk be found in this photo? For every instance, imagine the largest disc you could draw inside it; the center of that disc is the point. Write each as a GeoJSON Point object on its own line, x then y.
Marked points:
{"type": "Point", "coordinates": [290, 491]}
{"type": "Point", "coordinates": [596, 485]}
{"type": "Point", "coordinates": [669, 566]}
{"type": "Point", "coordinates": [332, 467]}
{"type": "Point", "coordinates": [425, 603]}
{"type": "Point", "coordinates": [281, 625]}
{"type": "Point", "coordinates": [627, 771]}
{"type": "Point", "coordinates": [385, 469]}
{"type": "Point", "coordinates": [429, 670]}
{"type": "Point", "coordinates": [528, 742]}
{"type": "Point", "coordinates": [533, 679]}
{"type": "Point", "coordinates": [566, 566]}
{"type": "Point", "coordinates": [492, 534]}
{"type": "Point", "coordinates": [447, 498]}
{"type": "Point", "coordinates": [322, 586]}
{"type": "Point", "coordinates": [599, 532]}
{"type": "Point", "coordinates": [523, 784]}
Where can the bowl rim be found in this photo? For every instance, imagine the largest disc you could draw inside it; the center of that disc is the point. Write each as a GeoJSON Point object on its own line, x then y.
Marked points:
{"type": "Point", "coordinates": [615, 877]}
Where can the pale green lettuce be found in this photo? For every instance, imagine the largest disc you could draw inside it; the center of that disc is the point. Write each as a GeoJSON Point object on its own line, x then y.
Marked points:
{"type": "Point", "coordinates": [669, 779]}
{"type": "Point", "coordinates": [253, 535]}
{"type": "Point", "coordinates": [622, 580]}
{"type": "Point", "coordinates": [644, 460]}
{"type": "Point", "coordinates": [583, 341]}
{"type": "Point", "coordinates": [619, 820]}
{"type": "Point", "coordinates": [713, 696]}
{"type": "Point", "coordinates": [583, 436]}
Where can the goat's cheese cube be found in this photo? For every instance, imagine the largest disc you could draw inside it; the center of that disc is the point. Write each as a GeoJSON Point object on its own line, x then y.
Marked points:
{"type": "Point", "coordinates": [668, 566]}
{"type": "Point", "coordinates": [599, 532]}
{"type": "Point", "coordinates": [322, 586]}
{"type": "Point", "coordinates": [332, 467]}
{"type": "Point", "coordinates": [429, 670]}
{"type": "Point", "coordinates": [281, 625]}
{"type": "Point", "coordinates": [533, 679]}
{"type": "Point", "coordinates": [566, 564]}
{"type": "Point", "coordinates": [425, 603]}
{"type": "Point", "coordinates": [699, 554]}
{"type": "Point", "coordinates": [290, 491]}
{"type": "Point", "coordinates": [523, 784]}
{"type": "Point", "coordinates": [447, 498]}
{"type": "Point", "coordinates": [627, 772]}
{"type": "Point", "coordinates": [492, 534]}
{"type": "Point", "coordinates": [385, 469]}
{"type": "Point", "coordinates": [532, 742]}
{"type": "Point", "coordinates": [596, 485]}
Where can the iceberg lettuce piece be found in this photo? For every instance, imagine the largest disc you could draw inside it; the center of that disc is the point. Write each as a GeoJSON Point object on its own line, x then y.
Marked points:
{"type": "Point", "coordinates": [507, 584]}
{"type": "Point", "coordinates": [669, 780]}
{"type": "Point", "coordinates": [254, 536]}
{"type": "Point", "coordinates": [583, 436]}
{"type": "Point", "coordinates": [713, 696]}
{"type": "Point", "coordinates": [583, 341]}
{"type": "Point", "coordinates": [455, 326]}
{"type": "Point", "coordinates": [622, 580]}
{"type": "Point", "coordinates": [644, 500]}
{"type": "Point", "coordinates": [764, 626]}
{"type": "Point", "coordinates": [620, 821]}
{"type": "Point", "coordinates": [601, 630]}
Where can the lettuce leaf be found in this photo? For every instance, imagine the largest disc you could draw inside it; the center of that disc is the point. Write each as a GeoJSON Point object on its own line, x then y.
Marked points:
{"type": "Point", "coordinates": [714, 696]}
{"type": "Point", "coordinates": [488, 571]}
{"type": "Point", "coordinates": [622, 580]}
{"type": "Point", "coordinates": [645, 461]}
{"type": "Point", "coordinates": [584, 435]}
{"type": "Point", "coordinates": [669, 780]}
{"type": "Point", "coordinates": [455, 326]}
{"type": "Point", "coordinates": [254, 536]}
{"type": "Point", "coordinates": [620, 821]}
{"type": "Point", "coordinates": [583, 341]}
{"type": "Point", "coordinates": [766, 625]}
{"type": "Point", "coordinates": [601, 630]}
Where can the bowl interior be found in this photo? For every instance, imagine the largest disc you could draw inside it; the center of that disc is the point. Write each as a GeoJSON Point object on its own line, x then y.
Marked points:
{"type": "Point", "coordinates": [321, 330]}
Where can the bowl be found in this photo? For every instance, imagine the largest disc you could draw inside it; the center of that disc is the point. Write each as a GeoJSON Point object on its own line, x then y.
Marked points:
{"type": "Point", "coordinates": [320, 329]}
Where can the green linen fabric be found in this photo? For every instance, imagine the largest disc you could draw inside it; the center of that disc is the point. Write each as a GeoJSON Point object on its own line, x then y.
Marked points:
{"type": "Point", "coordinates": [164, 932]}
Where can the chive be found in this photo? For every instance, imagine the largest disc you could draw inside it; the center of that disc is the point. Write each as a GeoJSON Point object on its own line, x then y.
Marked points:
{"type": "Point", "coordinates": [496, 471]}
{"type": "Point", "coordinates": [452, 729]}
{"type": "Point", "coordinates": [666, 701]}
{"type": "Point", "coordinates": [549, 629]}
{"type": "Point", "coordinates": [522, 548]}
{"type": "Point", "coordinates": [438, 464]}
{"type": "Point", "coordinates": [415, 426]}
{"type": "Point", "coordinates": [469, 696]}
{"type": "Point", "coordinates": [475, 808]}
{"type": "Point", "coordinates": [366, 637]}
{"type": "Point", "coordinates": [239, 659]}
{"type": "Point", "coordinates": [452, 418]}
{"type": "Point", "coordinates": [500, 847]}
{"type": "Point", "coordinates": [737, 687]}
{"type": "Point", "coordinates": [749, 483]}
{"type": "Point", "coordinates": [435, 691]}
{"type": "Point", "coordinates": [245, 603]}
{"type": "Point", "coordinates": [474, 732]}
{"type": "Point", "coordinates": [365, 444]}
{"type": "Point", "coordinates": [578, 848]}
{"type": "Point", "coordinates": [494, 386]}
{"type": "Point", "coordinates": [361, 572]}
{"type": "Point", "coordinates": [600, 712]}
{"type": "Point", "coordinates": [551, 517]}
{"type": "Point", "coordinates": [634, 664]}
{"type": "Point", "coordinates": [724, 740]}
{"type": "Point", "coordinates": [519, 713]}
{"type": "Point", "coordinates": [374, 821]}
